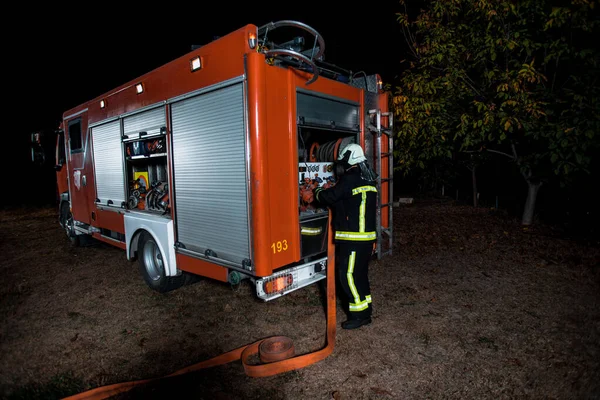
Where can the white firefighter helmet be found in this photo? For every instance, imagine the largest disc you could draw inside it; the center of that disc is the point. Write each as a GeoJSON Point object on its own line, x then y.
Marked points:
{"type": "Point", "coordinates": [352, 154]}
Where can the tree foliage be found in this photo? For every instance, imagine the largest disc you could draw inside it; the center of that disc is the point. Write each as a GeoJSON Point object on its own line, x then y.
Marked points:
{"type": "Point", "coordinates": [519, 79]}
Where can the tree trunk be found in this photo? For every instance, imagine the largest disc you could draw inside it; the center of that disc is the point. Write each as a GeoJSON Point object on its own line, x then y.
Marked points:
{"type": "Point", "coordinates": [474, 181]}
{"type": "Point", "coordinates": [532, 191]}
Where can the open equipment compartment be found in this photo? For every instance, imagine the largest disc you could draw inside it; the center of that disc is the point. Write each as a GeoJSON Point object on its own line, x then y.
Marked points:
{"type": "Point", "coordinates": [325, 127]}
{"type": "Point", "coordinates": [146, 167]}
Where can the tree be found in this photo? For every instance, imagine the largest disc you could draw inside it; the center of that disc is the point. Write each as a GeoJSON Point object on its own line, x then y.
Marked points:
{"type": "Point", "coordinates": [512, 79]}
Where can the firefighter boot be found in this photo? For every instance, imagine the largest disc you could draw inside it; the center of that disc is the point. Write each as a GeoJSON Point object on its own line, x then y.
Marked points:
{"type": "Point", "coordinates": [354, 323]}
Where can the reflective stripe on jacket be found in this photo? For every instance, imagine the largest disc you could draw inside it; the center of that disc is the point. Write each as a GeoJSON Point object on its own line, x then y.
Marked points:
{"type": "Point", "coordinates": [354, 203]}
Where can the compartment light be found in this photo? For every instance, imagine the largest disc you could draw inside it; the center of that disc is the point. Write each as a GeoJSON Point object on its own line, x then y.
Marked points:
{"type": "Point", "coordinates": [196, 63]}
{"type": "Point", "coordinates": [252, 40]}
{"type": "Point", "coordinates": [102, 104]}
{"type": "Point", "coordinates": [139, 88]}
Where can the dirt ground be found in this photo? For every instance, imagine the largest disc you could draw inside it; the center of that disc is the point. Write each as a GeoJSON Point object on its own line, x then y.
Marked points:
{"type": "Point", "coordinates": [471, 305]}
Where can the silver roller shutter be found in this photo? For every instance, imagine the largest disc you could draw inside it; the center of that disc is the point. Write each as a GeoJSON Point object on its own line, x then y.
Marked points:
{"type": "Point", "coordinates": [148, 121]}
{"type": "Point", "coordinates": [108, 163]}
{"type": "Point", "coordinates": [326, 112]}
{"type": "Point", "coordinates": [209, 167]}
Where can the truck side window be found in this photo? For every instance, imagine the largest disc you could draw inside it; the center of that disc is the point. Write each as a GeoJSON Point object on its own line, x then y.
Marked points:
{"type": "Point", "coordinates": [75, 135]}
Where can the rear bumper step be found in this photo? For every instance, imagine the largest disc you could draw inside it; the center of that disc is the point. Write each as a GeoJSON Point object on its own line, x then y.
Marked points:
{"type": "Point", "coordinates": [302, 275]}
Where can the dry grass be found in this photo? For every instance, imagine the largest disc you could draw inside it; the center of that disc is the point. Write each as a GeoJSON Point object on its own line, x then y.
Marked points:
{"type": "Point", "coordinates": [469, 306]}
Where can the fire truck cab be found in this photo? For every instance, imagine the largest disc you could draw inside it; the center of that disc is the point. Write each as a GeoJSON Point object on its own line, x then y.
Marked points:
{"type": "Point", "coordinates": [202, 166]}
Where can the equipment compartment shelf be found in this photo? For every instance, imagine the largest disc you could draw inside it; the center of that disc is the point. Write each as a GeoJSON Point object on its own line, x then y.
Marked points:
{"type": "Point", "coordinates": [143, 157]}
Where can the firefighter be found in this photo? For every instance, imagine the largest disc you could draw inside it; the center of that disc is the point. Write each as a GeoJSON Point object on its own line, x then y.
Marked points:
{"type": "Point", "coordinates": [353, 201]}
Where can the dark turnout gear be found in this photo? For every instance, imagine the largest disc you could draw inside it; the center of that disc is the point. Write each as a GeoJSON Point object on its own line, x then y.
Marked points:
{"type": "Point", "coordinates": [353, 200]}
{"type": "Point", "coordinates": [353, 268]}
{"type": "Point", "coordinates": [354, 203]}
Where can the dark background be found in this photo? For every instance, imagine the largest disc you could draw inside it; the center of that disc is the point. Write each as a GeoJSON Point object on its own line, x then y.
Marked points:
{"type": "Point", "coordinates": [59, 59]}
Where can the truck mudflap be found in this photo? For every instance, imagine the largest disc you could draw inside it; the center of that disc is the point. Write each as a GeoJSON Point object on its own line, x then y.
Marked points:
{"type": "Point", "coordinates": [291, 279]}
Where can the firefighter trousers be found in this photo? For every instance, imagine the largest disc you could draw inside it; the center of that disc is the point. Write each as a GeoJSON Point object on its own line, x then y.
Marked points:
{"type": "Point", "coordinates": [353, 269]}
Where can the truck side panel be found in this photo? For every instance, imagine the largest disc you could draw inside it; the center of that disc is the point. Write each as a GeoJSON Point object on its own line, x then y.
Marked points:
{"type": "Point", "coordinates": [201, 267]}
{"type": "Point", "coordinates": [122, 111]}
{"type": "Point", "coordinates": [259, 164]}
{"type": "Point", "coordinates": [274, 163]}
{"type": "Point", "coordinates": [110, 220]}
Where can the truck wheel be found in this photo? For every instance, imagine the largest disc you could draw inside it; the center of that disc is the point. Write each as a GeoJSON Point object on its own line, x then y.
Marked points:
{"type": "Point", "coordinates": [68, 224]}
{"type": "Point", "coordinates": [152, 266]}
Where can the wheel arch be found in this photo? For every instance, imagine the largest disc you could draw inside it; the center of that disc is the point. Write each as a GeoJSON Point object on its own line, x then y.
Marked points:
{"type": "Point", "coordinates": [161, 230]}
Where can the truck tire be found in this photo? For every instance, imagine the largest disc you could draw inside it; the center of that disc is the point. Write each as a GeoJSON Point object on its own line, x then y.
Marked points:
{"type": "Point", "coordinates": [68, 224]}
{"type": "Point", "coordinates": [152, 266]}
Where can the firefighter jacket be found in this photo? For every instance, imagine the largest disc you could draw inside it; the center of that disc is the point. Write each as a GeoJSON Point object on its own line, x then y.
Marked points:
{"type": "Point", "coordinates": [353, 200]}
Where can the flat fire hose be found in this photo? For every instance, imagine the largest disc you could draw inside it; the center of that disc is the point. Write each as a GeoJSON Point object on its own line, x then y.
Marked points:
{"type": "Point", "coordinates": [276, 353]}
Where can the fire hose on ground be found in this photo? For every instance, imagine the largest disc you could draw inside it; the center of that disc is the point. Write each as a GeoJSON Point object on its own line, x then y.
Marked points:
{"type": "Point", "coordinates": [276, 353]}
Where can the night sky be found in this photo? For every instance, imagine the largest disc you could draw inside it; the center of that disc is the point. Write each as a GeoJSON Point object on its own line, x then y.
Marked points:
{"type": "Point", "coordinates": [79, 68]}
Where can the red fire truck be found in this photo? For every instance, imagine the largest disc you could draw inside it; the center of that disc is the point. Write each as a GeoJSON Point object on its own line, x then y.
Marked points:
{"type": "Point", "coordinates": [199, 167]}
